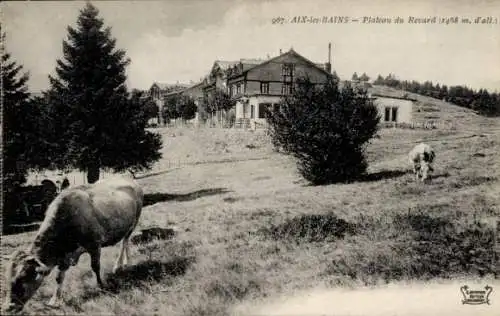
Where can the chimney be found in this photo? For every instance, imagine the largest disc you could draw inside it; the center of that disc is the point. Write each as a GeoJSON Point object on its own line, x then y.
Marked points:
{"type": "Point", "coordinates": [280, 51]}
{"type": "Point", "coordinates": [328, 66]}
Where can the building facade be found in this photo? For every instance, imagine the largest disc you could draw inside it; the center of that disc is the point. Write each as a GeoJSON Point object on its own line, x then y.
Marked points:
{"type": "Point", "coordinates": [259, 85]}
{"type": "Point", "coordinates": [256, 85]}
{"type": "Point", "coordinates": [259, 88]}
{"type": "Point", "coordinates": [394, 110]}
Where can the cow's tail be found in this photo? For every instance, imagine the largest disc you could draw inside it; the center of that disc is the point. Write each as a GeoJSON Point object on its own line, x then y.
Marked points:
{"type": "Point", "coordinates": [139, 203]}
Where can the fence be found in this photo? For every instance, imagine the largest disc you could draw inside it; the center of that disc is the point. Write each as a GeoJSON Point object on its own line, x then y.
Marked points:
{"type": "Point", "coordinates": [75, 177]}
{"type": "Point", "coordinates": [420, 125]}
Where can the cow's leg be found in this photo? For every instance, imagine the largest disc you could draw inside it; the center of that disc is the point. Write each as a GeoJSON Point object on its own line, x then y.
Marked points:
{"type": "Point", "coordinates": [95, 263]}
{"type": "Point", "coordinates": [126, 257]}
{"type": "Point", "coordinates": [119, 260]}
{"type": "Point", "coordinates": [56, 298]}
{"type": "Point", "coordinates": [70, 260]}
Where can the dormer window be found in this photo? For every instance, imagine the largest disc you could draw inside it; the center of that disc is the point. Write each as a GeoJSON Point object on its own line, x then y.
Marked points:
{"type": "Point", "coordinates": [287, 72]}
{"type": "Point", "coordinates": [287, 69]}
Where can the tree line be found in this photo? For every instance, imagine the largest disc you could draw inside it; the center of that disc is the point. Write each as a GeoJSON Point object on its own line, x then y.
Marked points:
{"type": "Point", "coordinates": [182, 106]}
{"type": "Point", "coordinates": [480, 100]}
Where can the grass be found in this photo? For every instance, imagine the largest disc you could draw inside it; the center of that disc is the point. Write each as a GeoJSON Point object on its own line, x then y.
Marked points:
{"type": "Point", "coordinates": [250, 227]}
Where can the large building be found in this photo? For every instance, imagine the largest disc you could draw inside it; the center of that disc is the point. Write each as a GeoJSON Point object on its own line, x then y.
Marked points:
{"type": "Point", "coordinates": [257, 88]}
{"type": "Point", "coordinates": [256, 84]}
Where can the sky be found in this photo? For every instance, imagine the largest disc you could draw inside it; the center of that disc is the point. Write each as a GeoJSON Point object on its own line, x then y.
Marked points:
{"type": "Point", "coordinates": [179, 40]}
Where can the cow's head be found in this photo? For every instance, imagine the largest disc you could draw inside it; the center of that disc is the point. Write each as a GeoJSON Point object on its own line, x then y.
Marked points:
{"type": "Point", "coordinates": [24, 276]}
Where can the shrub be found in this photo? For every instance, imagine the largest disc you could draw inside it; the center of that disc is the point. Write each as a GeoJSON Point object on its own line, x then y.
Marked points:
{"type": "Point", "coordinates": [423, 247]}
{"type": "Point", "coordinates": [311, 228]}
{"type": "Point", "coordinates": [326, 129]}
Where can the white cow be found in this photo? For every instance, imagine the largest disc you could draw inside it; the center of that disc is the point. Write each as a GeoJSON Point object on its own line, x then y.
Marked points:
{"type": "Point", "coordinates": [80, 219]}
{"type": "Point", "coordinates": [421, 158]}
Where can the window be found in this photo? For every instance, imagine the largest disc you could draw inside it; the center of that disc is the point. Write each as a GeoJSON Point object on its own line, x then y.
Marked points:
{"type": "Point", "coordinates": [287, 69]}
{"type": "Point", "coordinates": [387, 117]}
{"type": "Point", "coordinates": [155, 94]}
{"type": "Point", "coordinates": [394, 114]}
{"type": "Point", "coordinates": [287, 72]}
{"type": "Point", "coordinates": [252, 111]}
{"type": "Point", "coordinates": [286, 88]}
{"type": "Point", "coordinates": [238, 88]}
{"type": "Point", "coordinates": [264, 109]}
{"type": "Point", "coordinates": [391, 114]}
{"type": "Point", "coordinates": [264, 87]}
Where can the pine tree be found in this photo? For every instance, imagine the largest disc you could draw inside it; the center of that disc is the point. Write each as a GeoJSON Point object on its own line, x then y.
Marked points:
{"type": "Point", "coordinates": [98, 123]}
{"type": "Point", "coordinates": [364, 77]}
{"type": "Point", "coordinates": [379, 80]}
{"type": "Point", "coordinates": [15, 118]}
{"type": "Point", "coordinates": [18, 136]}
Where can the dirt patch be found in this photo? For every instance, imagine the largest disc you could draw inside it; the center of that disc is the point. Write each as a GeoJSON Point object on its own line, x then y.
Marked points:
{"type": "Point", "coordinates": [394, 299]}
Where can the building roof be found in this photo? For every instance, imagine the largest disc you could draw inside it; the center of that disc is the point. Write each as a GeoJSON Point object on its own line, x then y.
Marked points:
{"type": "Point", "coordinates": [167, 86]}
{"type": "Point", "coordinates": [224, 64]}
{"type": "Point", "coordinates": [246, 63]}
{"type": "Point", "coordinates": [293, 52]}
{"type": "Point", "coordinates": [377, 96]}
{"type": "Point", "coordinates": [195, 84]}
{"type": "Point", "coordinates": [175, 92]}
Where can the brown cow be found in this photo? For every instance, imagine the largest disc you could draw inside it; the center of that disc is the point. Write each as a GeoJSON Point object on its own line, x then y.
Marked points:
{"type": "Point", "coordinates": [80, 219]}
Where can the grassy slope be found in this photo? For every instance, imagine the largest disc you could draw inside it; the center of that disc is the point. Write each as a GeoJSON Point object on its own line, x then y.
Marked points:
{"type": "Point", "coordinates": [219, 255]}
{"type": "Point", "coordinates": [430, 109]}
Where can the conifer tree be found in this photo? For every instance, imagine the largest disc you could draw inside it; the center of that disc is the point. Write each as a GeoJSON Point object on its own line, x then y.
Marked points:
{"type": "Point", "coordinates": [98, 123]}
{"type": "Point", "coordinates": [18, 136]}
{"type": "Point", "coordinates": [15, 118]}
{"type": "Point", "coordinates": [364, 77]}
{"type": "Point", "coordinates": [326, 129]}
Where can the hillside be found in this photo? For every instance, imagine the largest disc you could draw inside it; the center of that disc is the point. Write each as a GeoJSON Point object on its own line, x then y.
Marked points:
{"type": "Point", "coordinates": [185, 146]}
{"type": "Point", "coordinates": [248, 228]}
{"type": "Point", "coordinates": [431, 109]}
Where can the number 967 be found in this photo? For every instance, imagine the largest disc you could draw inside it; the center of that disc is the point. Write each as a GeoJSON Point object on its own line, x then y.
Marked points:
{"type": "Point", "coordinates": [278, 20]}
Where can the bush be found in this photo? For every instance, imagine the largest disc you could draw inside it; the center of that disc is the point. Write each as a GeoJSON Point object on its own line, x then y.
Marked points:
{"type": "Point", "coordinates": [311, 228]}
{"type": "Point", "coordinates": [326, 129]}
{"type": "Point", "coordinates": [423, 247]}
{"type": "Point", "coordinates": [447, 247]}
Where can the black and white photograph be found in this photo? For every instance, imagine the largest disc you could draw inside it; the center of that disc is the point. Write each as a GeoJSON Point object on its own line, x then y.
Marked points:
{"type": "Point", "coordinates": [250, 157]}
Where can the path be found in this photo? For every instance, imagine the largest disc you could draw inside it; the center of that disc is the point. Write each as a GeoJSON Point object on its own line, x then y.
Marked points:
{"type": "Point", "coordinates": [440, 299]}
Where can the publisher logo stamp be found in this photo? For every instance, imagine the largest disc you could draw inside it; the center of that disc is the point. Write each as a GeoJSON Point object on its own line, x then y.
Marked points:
{"type": "Point", "coordinates": [476, 297]}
